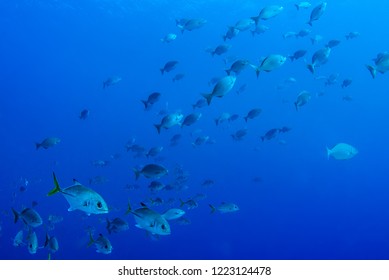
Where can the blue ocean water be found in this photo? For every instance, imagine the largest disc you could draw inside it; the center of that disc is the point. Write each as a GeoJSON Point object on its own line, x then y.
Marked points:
{"type": "Point", "coordinates": [294, 203]}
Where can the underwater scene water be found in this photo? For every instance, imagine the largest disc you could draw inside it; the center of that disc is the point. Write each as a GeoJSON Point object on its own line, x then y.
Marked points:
{"type": "Point", "coordinates": [207, 129]}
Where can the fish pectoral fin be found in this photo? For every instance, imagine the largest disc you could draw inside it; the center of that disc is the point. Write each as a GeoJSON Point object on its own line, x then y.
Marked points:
{"type": "Point", "coordinates": [71, 209]}
{"type": "Point", "coordinates": [138, 226]}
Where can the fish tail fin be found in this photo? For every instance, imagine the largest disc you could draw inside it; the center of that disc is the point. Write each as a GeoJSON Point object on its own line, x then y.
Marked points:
{"type": "Point", "coordinates": [16, 215]}
{"type": "Point", "coordinates": [296, 106]}
{"type": "Point", "coordinates": [145, 103]}
{"type": "Point", "coordinates": [311, 68]}
{"type": "Point", "coordinates": [108, 225]}
{"type": "Point", "coordinates": [216, 122]}
{"type": "Point", "coordinates": [37, 145]}
{"type": "Point", "coordinates": [158, 127]}
{"type": "Point", "coordinates": [182, 203]}
{"type": "Point", "coordinates": [246, 118]}
{"type": "Point", "coordinates": [129, 210]}
{"type": "Point", "coordinates": [208, 97]}
{"type": "Point", "coordinates": [257, 72]}
{"type": "Point", "coordinates": [328, 153]}
{"type": "Point", "coordinates": [310, 23]}
{"type": "Point", "coordinates": [213, 53]}
{"type": "Point", "coordinates": [91, 240]}
{"type": "Point", "coordinates": [297, 7]}
{"type": "Point", "coordinates": [46, 240]}
{"type": "Point", "coordinates": [162, 70]}
{"type": "Point", "coordinates": [291, 58]}
{"type": "Point", "coordinates": [228, 71]}
{"type": "Point", "coordinates": [372, 70]}
{"type": "Point", "coordinates": [56, 186]}
{"type": "Point", "coordinates": [262, 138]}
{"type": "Point", "coordinates": [213, 209]}
{"type": "Point", "coordinates": [137, 173]}
{"type": "Point", "coordinates": [255, 19]}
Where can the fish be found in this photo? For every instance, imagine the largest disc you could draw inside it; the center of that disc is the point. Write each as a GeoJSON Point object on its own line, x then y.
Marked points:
{"type": "Point", "coordinates": [150, 220]}
{"type": "Point", "coordinates": [381, 64]}
{"type": "Point", "coordinates": [346, 83]}
{"type": "Point", "coordinates": [51, 243]}
{"type": "Point", "coordinates": [48, 143]}
{"type": "Point", "coordinates": [156, 186]}
{"type": "Point", "coordinates": [244, 24]}
{"type": "Point", "coordinates": [190, 204]}
{"type": "Point", "coordinates": [302, 99]}
{"type": "Point", "coordinates": [173, 214]}
{"type": "Point", "coordinates": [191, 119]}
{"type": "Point", "coordinates": [169, 121]}
{"type": "Point", "coordinates": [238, 66]}
{"type": "Point", "coordinates": [200, 141]}
{"type": "Point", "coordinates": [332, 43]}
{"type": "Point", "coordinates": [170, 37]}
{"type": "Point", "coordinates": [178, 77]}
{"type": "Point", "coordinates": [154, 171]}
{"type": "Point", "coordinates": [317, 12]}
{"type": "Point", "coordinates": [239, 134]}
{"type": "Point", "coordinates": [222, 87]}
{"type": "Point", "coordinates": [303, 32]}
{"type": "Point", "coordinates": [319, 58]}
{"type": "Point", "coordinates": [270, 63]}
{"type": "Point", "coordinates": [84, 114]}
{"type": "Point", "coordinates": [342, 151]}
{"type": "Point", "coordinates": [231, 33]}
{"type": "Point", "coordinates": [290, 34]}
{"type": "Point", "coordinates": [103, 245]}
{"type": "Point", "coordinates": [253, 114]}
{"type": "Point", "coordinates": [32, 242]}
{"type": "Point", "coordinates": [270, 134]}
{"type": "Point", "coordinates": [352, 35]}
{"type": "Point", "coordinates": [303, 5]}
{"type": "Point", "coordinates": [222, 118]}
{"type": "Point", "coordinates": [116, 225]}
{"type": "Point", "coordinates": [332, 79]}
{"type": "Point", "coordinates": [151, 99]}
{"type": "Point", "coordinates": [199, 104]}
{"type": "Point", "coordinates": [220, 49]}
{"type": "Point", "coordinates": [169, 66]}
{"type": "Point", "coordinates": [111, 81]}
{"type": "Point", "coordinates": [268, 12]}
{"type": "Point", "coordinates": [224, 208]}
{"type": "Point", "coordinates": [259, 29]}
{"type": "Point", "coordinates": [18, 239]}
{"type": "Point", "coordinates": [190, 24]}
{"type": "Point", "coordinates": [81, 198]}
{"type": "Point", "coordinates": [154, 151]}
{"type": "Point", "coordinates": [297, 54]}
{"type": "Point", "coordinates": [29, 216]}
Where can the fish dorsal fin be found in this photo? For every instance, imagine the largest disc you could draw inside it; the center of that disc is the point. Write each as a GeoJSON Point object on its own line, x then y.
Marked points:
{"type": "Point", "coordinates": [76, 182]}
{"type": "Point", "coordinates": [143, 205]}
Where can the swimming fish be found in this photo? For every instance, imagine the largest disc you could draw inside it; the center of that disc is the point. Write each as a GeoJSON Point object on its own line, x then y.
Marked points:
{"type": "Point", "coordinates": [224, 208]}
{"type": "Point", "coordinates": [342, 151]}
{"type": "Point", "coordinates": [29, 216]}
{"type": "Point", "coordinates": [48, 143]}
{"type": "Point", "coordinates": [150, 220]}
{"type": "Point", "coordinates": [81, 198]}
{"type": "Point", "coordinates": [103, 245]}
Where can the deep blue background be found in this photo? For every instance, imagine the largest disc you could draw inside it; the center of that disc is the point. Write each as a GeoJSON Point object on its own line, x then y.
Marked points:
{"type": "Point", "coordinates": [54, 58]}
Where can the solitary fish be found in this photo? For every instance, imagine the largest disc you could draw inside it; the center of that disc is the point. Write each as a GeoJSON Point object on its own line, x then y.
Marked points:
{"type": "Point", "coordinates": [342, 151]}
{"type": "Point", "coordinates": [222, 87]}
{"type": "Point", "coordinates": [81, 198]}
{"type": "Point", "coordinates": [48, 143]}
{"type": "Point", "coordinates": [111, 81]}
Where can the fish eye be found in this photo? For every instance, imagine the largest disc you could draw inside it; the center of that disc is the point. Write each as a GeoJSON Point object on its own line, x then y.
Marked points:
{"type": "Point", "coordinates": [106, 246]}
{"type": "Point", "coordinates": [99, 205]}
{"type": "Point", "coordinates": [163, 227]}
